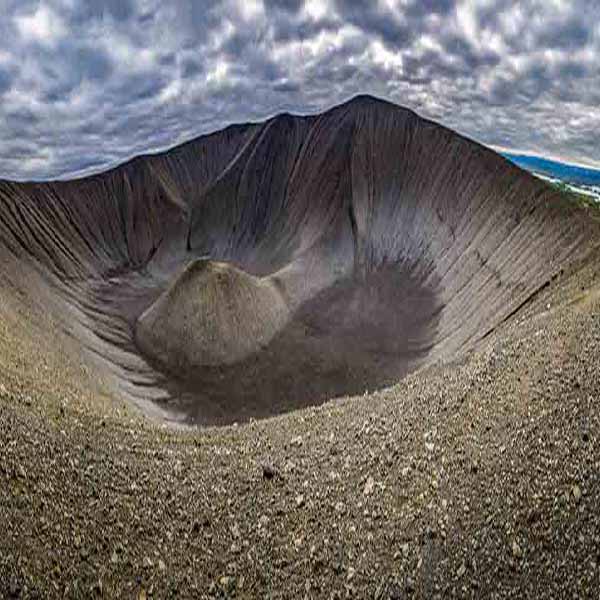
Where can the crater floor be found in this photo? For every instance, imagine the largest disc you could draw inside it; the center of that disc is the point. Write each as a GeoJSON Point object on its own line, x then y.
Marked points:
{"type": "Point", "coordinates": [359, 334]}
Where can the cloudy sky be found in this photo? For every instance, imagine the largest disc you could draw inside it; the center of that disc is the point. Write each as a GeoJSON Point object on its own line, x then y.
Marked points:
{"type": "Point", "coordinates": [85, 84]}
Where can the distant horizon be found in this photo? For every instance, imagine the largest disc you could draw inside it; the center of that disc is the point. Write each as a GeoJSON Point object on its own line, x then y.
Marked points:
{"type": "Point", "coordinates": [592, 165]}
{"type": "Point", "coordinates": [566, 172]}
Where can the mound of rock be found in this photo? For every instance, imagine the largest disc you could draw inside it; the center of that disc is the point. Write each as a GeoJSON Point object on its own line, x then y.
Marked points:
{"type": "Point", "coordinates": [213, 314]}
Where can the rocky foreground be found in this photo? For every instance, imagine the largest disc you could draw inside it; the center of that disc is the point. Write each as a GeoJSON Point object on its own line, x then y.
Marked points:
{"type": "Point", "coordinates": [477, 479]}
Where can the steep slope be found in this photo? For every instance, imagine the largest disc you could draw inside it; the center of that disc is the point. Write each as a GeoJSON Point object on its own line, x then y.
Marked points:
{"type": "Point", "coordinates": [392, 243]}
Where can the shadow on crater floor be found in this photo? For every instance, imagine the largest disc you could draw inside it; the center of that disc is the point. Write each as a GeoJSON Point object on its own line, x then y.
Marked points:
{"type": "Point", "coordinates": [360, 334]}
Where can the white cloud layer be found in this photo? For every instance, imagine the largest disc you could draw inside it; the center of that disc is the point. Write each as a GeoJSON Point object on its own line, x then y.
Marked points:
{"type": "Point", "coordinates": [85, 84]}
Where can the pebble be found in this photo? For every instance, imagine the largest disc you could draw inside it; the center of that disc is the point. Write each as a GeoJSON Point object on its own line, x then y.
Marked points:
{"type": "Point", "coordinates": [369, 486]}
{"type": "Point", "coordinates": [269, 471]}
{"type": "Point", "coordinates": [516, 550]}
{"type": "Point", "coordinates": [263, 521]}
{"type": "Point", "coordinates": [14, 588]}
{"type": "Point", "coordinates": [227, 583]}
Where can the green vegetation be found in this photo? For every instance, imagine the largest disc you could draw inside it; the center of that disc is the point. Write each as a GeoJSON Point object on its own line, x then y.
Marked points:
{"type": "Point", "coordinates": [570, 199]}
{"type": "Point", "coordinates": [582, 200]}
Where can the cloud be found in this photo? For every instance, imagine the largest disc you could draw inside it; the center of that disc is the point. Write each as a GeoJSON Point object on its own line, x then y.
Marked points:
{"type": "Point", "coordinates": [85, 84]}
{"type": "Point", "coordinates": [82, 11]}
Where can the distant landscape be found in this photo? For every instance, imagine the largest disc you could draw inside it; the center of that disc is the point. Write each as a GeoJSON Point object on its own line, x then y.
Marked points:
{"type": "Point", "coordinates": [582, 180]}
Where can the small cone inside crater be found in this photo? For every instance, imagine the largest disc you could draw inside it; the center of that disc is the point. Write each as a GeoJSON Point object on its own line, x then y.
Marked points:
{"type": "Point", "coordinates": [213, 314]}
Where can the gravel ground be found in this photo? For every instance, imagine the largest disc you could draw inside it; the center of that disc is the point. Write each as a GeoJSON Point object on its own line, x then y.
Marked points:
{"type": "Point", "coordinates": [476, 479]}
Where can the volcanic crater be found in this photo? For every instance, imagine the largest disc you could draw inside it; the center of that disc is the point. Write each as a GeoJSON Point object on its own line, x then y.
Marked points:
{"type": "Point", "coordinates": [272, 266]}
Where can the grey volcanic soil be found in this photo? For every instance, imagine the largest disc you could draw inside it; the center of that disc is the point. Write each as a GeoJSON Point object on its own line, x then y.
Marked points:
{"type": "Point", "coordinates": [478, 479]}
{"type": "Point", "coordinates": [354, 336]}
{"type": "Point", "coordinates": [397, 246]}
